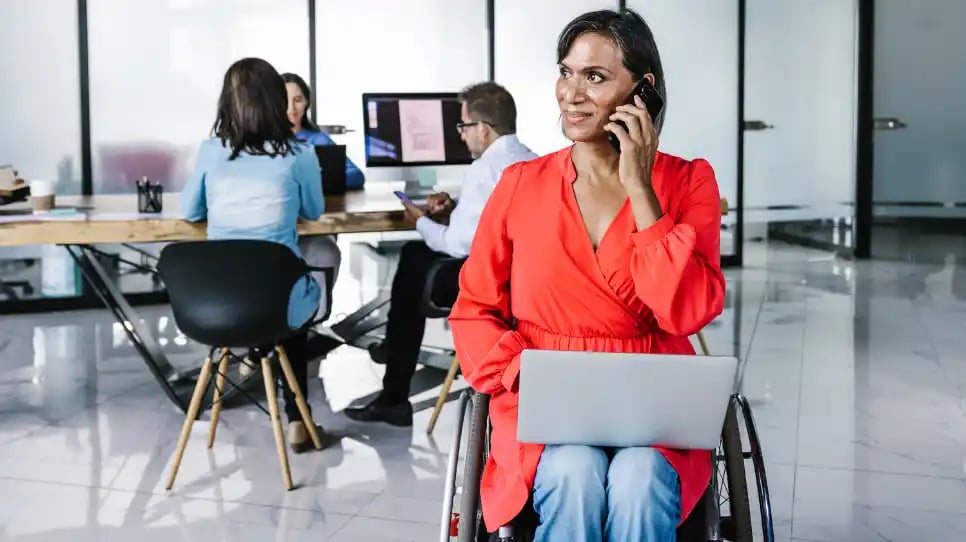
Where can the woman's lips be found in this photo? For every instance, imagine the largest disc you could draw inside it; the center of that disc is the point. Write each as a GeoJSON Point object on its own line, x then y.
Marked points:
{"type": "Point", "coordinates": [575, 117]}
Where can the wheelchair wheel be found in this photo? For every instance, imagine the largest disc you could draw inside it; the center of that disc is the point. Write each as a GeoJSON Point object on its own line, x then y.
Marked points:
{"type": "Point", "coordinates": [729, 484]}
{"type": "Point", "coordinates": [471, 513]}
{"type": "Point", "coordinates": [758, 464]}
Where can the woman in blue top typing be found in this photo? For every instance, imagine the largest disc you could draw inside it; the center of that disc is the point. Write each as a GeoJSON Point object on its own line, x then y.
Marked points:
{"type": "Point", "coordinates": [254, 180]}
{"type": "Point", "coordinates": [299, 101]}
{"type": "Point", "coordinates": [320, 250]}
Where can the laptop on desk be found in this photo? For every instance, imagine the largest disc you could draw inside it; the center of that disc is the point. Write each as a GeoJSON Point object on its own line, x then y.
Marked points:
{"type": "Point", "coordinates": [624, 400]}
{"type": "Point", "coordinates": [332, 161]}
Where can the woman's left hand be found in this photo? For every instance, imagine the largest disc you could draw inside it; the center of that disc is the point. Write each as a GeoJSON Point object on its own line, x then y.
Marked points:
{"type": "Point", "coordinates": [638, 145]}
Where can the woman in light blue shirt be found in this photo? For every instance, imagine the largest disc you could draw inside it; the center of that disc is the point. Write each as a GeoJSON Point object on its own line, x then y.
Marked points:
{"type": "Point", "coordinates": [254, 180]}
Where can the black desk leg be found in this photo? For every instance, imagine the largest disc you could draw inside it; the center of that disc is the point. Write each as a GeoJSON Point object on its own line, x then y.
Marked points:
{"type": "Point", "coordinates": [176, 386]}
{"type": "Point", "coordinates": [355, 326]}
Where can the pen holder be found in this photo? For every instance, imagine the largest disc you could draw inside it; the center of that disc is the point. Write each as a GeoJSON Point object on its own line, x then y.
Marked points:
{"type": "Point", "coordinates": [149, 196]}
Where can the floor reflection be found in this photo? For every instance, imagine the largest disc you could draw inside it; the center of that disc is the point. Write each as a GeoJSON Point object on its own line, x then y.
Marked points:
{"type": "Point", "coordinates": [855, 371]}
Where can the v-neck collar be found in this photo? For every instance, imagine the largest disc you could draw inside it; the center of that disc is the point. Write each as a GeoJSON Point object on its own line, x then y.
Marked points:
{"type": "Point", "coordinates": [570, 177]}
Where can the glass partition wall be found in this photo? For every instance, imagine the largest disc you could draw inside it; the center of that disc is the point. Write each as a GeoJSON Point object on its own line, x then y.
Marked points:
{"type": "Point", "coordinates": [800, 122]}
{"type": "Point", "coordinates": [156, 72]}
{"type": "Point", "coordinates": [117, 90]}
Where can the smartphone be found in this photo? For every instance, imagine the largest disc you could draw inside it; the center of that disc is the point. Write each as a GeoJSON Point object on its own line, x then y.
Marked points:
{"type": "Point", "coordinates": [403, 197]}
{"type": "Point", "coordinates": [652, 101]}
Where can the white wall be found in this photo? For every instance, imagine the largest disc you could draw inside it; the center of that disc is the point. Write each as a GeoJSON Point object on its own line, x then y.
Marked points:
{"type": "Point", "coordinates": [39, 82]}
{"type": "Point", "coordinates": [156, 72]}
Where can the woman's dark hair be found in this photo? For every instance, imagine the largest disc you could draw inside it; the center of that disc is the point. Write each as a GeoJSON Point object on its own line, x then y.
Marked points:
{"type": "Point", "coordinates": [630, 34]}
{"type": "Point", "coordinates": [251, 111]}
{"type": "Point", "coordinates": [307, 92]}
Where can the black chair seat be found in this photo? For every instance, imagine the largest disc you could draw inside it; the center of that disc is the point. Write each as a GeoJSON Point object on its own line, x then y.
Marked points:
{"type": "Point", "coordinates": [232, 293]}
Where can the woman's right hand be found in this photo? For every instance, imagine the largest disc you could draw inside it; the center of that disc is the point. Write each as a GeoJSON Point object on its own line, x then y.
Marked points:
{"type": "Point", "coordinates": [639, 140]}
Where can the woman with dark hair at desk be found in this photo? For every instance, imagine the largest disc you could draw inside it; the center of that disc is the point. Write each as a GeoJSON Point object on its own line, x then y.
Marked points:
{"type": "Point", "coordinates": [254, 180]}
{"type": "Point", "coordinates": [605, 247]}
{"type": "Point", "coordinates": [299, 101]}
{"type": "Point", "coordinates": [318, 250]}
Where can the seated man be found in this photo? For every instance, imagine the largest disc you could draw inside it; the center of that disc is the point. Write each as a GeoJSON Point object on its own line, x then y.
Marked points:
{"type": "Point", "coordinates": [488, 129]}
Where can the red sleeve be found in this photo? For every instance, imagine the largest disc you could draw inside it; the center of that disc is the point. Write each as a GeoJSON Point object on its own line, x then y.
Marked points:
{"type": "Point", "coordinates": [486, 344]}
{"type": "Point", "coordinates": [676, 261]}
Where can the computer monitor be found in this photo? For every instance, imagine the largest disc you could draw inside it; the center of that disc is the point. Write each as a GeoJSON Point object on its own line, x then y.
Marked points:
{"type": "Point", "coordinates": [416, 129]}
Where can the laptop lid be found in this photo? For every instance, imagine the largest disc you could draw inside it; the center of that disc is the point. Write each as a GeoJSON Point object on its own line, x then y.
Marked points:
{"type": "Point", "coordinates": [332, 161]}
{"type": "Point", "coordinates": [624, 400]}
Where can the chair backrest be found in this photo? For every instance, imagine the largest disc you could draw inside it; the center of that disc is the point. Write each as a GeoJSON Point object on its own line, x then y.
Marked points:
{"type": "Point", "coordinates": [440, 289]}
{"type": "Point", "coordinates": [231, 292]}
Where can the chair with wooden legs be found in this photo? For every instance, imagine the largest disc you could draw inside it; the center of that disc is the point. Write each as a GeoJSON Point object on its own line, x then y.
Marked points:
{"type": "Point", "coordinates": [235, 294]}
{"type": "Point", "coordinates": [437, 305]}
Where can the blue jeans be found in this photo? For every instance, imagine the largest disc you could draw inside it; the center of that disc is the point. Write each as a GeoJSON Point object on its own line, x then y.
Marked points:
{"type": "Point", "coordinates": [589, 494]}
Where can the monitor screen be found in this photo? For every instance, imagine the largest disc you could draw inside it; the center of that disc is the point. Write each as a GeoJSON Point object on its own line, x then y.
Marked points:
{"type": "Point", "coordinates": [413, 130]}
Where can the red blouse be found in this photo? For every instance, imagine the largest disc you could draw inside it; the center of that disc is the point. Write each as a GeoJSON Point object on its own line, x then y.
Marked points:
{"type": "Point", "coordinates": [534, 280]}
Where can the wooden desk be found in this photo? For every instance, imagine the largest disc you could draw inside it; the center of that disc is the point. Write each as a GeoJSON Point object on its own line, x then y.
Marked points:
{"type": "Point", "coordinates": [114, 219]}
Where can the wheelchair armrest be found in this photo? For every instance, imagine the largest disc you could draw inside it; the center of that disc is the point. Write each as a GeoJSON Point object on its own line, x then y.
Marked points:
{"type": "Point", "coordinates": [430, 308]}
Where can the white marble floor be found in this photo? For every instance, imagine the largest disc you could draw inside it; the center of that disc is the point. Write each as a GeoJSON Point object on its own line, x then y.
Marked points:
{"type": "Point", "coordinates": [857, 374]}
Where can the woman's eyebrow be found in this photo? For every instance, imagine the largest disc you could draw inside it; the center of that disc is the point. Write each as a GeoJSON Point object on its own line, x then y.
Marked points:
{"type": "Point", "coordinates": [594, 68]}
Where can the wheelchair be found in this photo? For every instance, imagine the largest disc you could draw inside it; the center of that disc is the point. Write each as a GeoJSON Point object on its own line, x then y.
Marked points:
{"type": "Point", "coordinates": [723, 514]}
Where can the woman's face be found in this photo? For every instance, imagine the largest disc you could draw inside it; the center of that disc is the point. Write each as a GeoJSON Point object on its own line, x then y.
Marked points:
{"type": "Point", "coordinates": [593, 82]}
{"type": "Point", "coordinates": [297, 104]}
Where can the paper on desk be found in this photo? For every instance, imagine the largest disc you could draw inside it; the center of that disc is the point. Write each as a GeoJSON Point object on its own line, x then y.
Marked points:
{"type": "Point", "coordinates": [42, 217]}
{"type": "Point", "coordinates": [8, 178]}
{"type": "Point", "coordinates": [83, 216]}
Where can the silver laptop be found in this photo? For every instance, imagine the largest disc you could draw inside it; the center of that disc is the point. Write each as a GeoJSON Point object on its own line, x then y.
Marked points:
{"type": "Point", "coordinates": [623, 400]}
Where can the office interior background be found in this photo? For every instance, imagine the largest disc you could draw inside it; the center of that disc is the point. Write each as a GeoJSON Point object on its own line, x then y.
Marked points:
{"type": "Point", "coordinates": [834, 127]}
{"type": "Point", "coordinates": [769, 92]}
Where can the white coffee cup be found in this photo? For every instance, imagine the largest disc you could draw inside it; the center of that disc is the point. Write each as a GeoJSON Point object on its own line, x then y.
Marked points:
{"type": "Point", "coordinates": [41, 188]}
{"type": "Point", "coordinates": [42, 195]}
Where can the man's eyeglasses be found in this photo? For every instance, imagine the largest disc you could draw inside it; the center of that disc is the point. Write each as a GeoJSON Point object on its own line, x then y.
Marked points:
{"type": "Point", "coordinates": [461, 125]}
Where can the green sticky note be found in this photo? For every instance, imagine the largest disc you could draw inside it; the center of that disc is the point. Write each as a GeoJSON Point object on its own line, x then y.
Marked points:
{"type": "Point", "coordinates": [64, 211]}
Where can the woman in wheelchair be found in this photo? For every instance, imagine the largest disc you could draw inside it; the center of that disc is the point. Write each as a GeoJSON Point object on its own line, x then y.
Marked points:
{"type": "Point", "coordinates": [607, 246]}
{"type": "Point", "coordinates": [254, 180]}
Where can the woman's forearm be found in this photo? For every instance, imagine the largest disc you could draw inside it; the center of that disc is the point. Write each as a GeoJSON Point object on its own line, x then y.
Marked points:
{"type": "Point", "coordinates": [646, 207]}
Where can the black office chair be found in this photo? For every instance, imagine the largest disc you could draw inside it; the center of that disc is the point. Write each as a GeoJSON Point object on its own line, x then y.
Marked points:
{"type": "Point", "coordinates": [437, 303]}
{"type": "Point", "coordinates": [235, 293]}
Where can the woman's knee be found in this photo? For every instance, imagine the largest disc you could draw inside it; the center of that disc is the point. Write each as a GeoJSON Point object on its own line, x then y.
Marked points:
{"type": "Point", "coordinates": [320, 250]}
{"type": "Point", "coordinates": [642, 477]}
{"type": "Point", "coordinates": [572, 469]}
